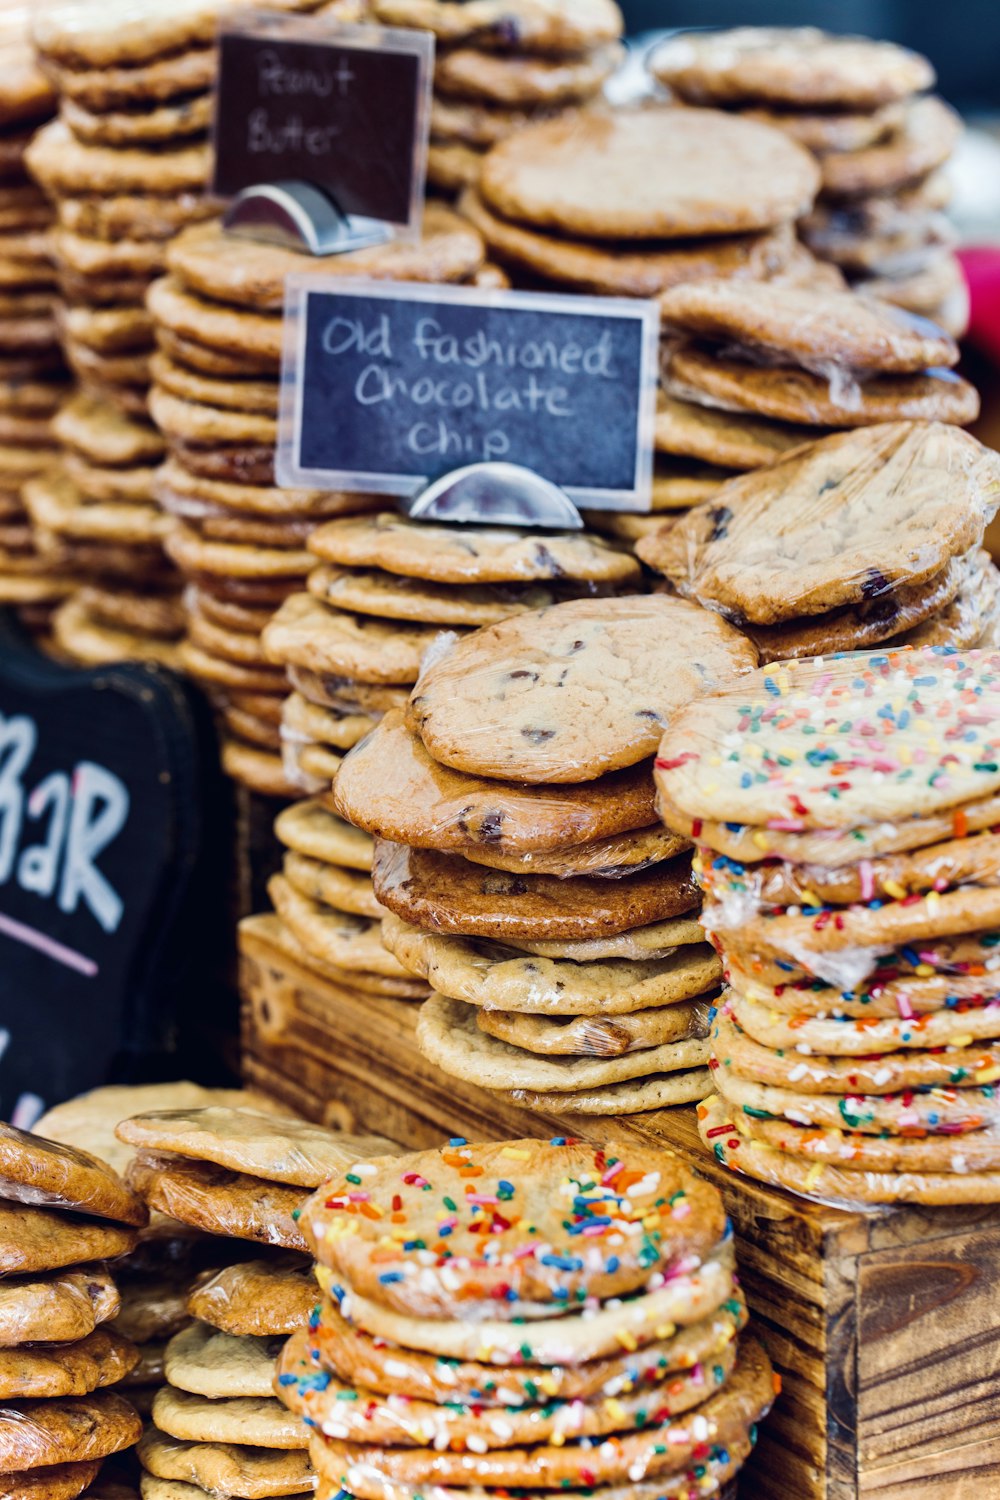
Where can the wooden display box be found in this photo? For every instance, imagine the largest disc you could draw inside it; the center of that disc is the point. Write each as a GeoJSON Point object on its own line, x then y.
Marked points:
{"type": "Point", "coordinates": [885, 1327]}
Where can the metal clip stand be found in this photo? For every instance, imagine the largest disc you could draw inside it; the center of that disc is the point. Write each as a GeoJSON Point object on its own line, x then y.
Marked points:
{"type": "Point", "coordinates": [298, 216]}
{"type": "Point", "coordinates": [494, 494]}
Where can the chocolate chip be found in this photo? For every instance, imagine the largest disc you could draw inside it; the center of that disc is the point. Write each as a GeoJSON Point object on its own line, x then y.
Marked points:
{"type": "Point", "coordinates": [545, 557]}
{"type": "Point", "coordinates": [538, 736]}
{"type": "Point", "coordinates": [490, 826]}
{"type": "Point", "coordinates": [874, 584]}
{"type": "Point", "coordinates": [521, 672]}
{"type": "Point", "coordinates": [720, 517]}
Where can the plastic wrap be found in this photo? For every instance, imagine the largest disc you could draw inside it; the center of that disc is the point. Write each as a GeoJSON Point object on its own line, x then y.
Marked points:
{"type": "Point", "coordinates": [307, 633]}
{"type": "Point", "coordinates": [76, 1429]}
{"type": "Point", "coordinates": [260, 1422]}
{"type": "Point", "coordinates": [269, 1146]}
{"type": "Point", "coordinates": [48, 1174]}
{"type": "Point", "coordinates": [428, 805]}
{"type": "Point", "coordinates": [60, 1308]}
{"type": "Point", "coordinates": [203, 1361]}
{"type": "Point", "coordinates": [226, 1468]}
{"type": "Point", "coordinates": [40, 1239]}
{"type": "Point", "coordinates": [257, 1297]}
{"type": "Point", "coordinates": [948, 1112]}
{"type": "Point", "coordinates": [861, 1038]}
{"type": "Point", "coordinates": [218, 1201]}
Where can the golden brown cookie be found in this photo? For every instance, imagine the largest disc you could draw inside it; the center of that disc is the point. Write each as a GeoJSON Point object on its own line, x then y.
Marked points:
{"type": "Point", "coordinates": [73, 1430]}
{"type": "Point", "coordinates": [219, 1201]}
{"type": "Point", "coordinates": [39, 1239]}
{"type": "Point", "coordinates": [60, 1308]}
{"type": "Point", "coordinates": [257, 1297]}
{"type": "Point", "coordinates": [56, 1370]}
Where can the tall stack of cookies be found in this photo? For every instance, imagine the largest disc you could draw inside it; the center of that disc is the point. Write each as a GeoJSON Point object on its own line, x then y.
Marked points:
{"type": "Point", "coordinates": [32, 377]}
{"type": "Point", "coordinates": [845, 811]}
{"type": "Point", "coordinates": [63, 1213]}
{"type": "Point", "coordinates": [860, 539]}
{"type": "Point", "coordinates": [238, 1174]}
{"type": "Point", "coordinates": [881, 142]}
{"type": "Point", "coordinates": [238, 539]}
{"type": "Point", "coordinates": [501, 64]}
{"type": "Point", "coordinates": [517, 850]}
{"type": "Point", "coordinates": [529, 1317]}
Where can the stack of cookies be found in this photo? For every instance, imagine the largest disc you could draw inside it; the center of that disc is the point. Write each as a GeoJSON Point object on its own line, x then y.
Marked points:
{"type": "Point", "coordinates": [516, 846]}
{"type": "Point", "coordinates": [846, 812]}
{"type": "Point", "coordinates": [860, 539]}
{"type": "Point", "coordinates": [63, 1213]}
{"type": "Point", "coordinates": [501, 64]}
{"type": "Point", "coordinates": [530, 1317]}
{"type": "Point", "coordinates": [32, 379]}
{"type": "Point", "coordinates": [238, 539]}
{"type": "Point", "coordinates": [881, 145]}
{"type": "Point", "coordinates": [243, 1175]}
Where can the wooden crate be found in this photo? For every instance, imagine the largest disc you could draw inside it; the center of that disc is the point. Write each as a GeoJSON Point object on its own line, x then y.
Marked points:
{"type": "Point", "coordinates": [885, 1327]}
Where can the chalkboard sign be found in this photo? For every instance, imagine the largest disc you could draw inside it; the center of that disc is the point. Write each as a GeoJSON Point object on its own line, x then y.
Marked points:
{"type": "Point", "coordinates": [386, 387]}
{"type": "Point", "coordinates": [343, 108]}
{"type": "Point", "coordinates": [106, 913]}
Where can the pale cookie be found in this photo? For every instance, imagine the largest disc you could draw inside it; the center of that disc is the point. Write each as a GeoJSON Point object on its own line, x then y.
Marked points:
{"type": "Point", "coordinates": [103, 1358]}
{"type": "Point", "coordinates": [799, 66]}
{"type": "Point", "coordinates": [246, 395]}
{"type": "Point", "coordinates": [346, 941]}
{"type": "Point", "coordinates": [225, 1468]}
{"type": "Point", "coordinates": [258, 770]}
{"type": "Point", "coordinates": [207, 1363]}
{"type": "Point", "coordinates": [673, 1445]}
{"type": "Point", "coordinates": [594, 1036]}
{"type": "Point", "coordinates": [217, 326]}
{"type": "Point", "coordinates": [635, 1096]}
{"type": "Point", "coordinates": [60, 1308]}
{"type": "Point", "coordinates": [85, 640]}
{"type": "Point", "coordinates": [75, 1430]}
{"type": "Point", "coordinates": [449, 1035]}
{"type": "Point", "coordinates": [38, 1239]}
{"type": "Point", "coordinates": [467, 555]}
{"type": "Point", "coordinates": [105, 437]}
{"type": "Point", "coordinates": [448, 894]}
{"type": "Point", "coordinates": [268, 500]}
{"type": "Point", "coordinates": [737, 441]}
{"type": "Point", "coordinates": [57, 506]}
{"type": "Point", "coordinates": [665, 173]}
{"type": "Point", "coordinates": [552, 26]}
{"type": "Point", "coordinates": [208, 667]}
{"type": "Point", "coordinates": [834, 695]}
{"type": "Point", "coordinates": [164, 124]}
{"type": "Point", "coordinates": [523, 700]}
{"type": "Point", "coordinates": [924, 139]}
{"type": "Point", "coordinates": [778, 544]}
{"type": "Point", "coordinates": [372, 591]}
{"type": "Point", "coordinates": [213, 264]}
{"type": "Point", "coordinates": [361, 1360]}
{"type": "Point", "coordinates": [476, 122]}
{"type": "Point", "coordinates": [46, 1173]}
{"type": "Point", "coordinates": [344, 890]}
{"type": "Point", "coordinates": [951, 1112]}
{"type": "Point", "coordinates": [99, 258]}
{"type": "Point", "coordinates": [521, 80]}
{"type": "Point", "coordinates": [793, 395]}
{"type": "Point", "coordinates": [311, 829]}
{"type": "Point", "coordinates": [281, 1150]}
{"type": "Point", "coordinates": [207, 425]}
{"type": "Point", "coordinates": [77, 36]}
{"type": "Point", "coordinates": [612, 270]}
{"type": "Point", "coordinates": [963, 622]}
{"type": "Point", "coordinates": [108, 330]}
{"type": "Point", "coordinates": [157, 614]}
{"type": "Point", "coordinates": [837, 1184]}
{"type": "Point", "coordinates": [507, 979]}
{"type": "Point", "coordinates": [251, 1299]}
{"type": "Point", "coordinates": [821, 131]}
{"type": "Point", "coordinates": [361, 1416]}
{"type": "Point", "coordinates": [269, 930]}
{"type": "Point", "coordinates": [305, 721]}
{"type": "Point", "coordinates": [308, 634]}
{"type": "Point", "coordinates": [258, 1421]}
{"type": "Point", "coordinates": [553, 1190]}
{"type": "Point", "coordinates": [210, 360]}
{"type": "Point", "coordinates": [219, 1201]}
{"type": "Point", "coordinates": [193, 554]}
{"type": "Point", "coordinates": [809, 328]}
{"type": "Point", "coordinates": [885, 992]}
{"type": "Point", "coordinates": [62, 164]}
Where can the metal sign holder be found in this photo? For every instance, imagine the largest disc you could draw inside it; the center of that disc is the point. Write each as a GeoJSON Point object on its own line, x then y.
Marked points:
{"type": "Point", "coordinates": [495, 494]}
{"type": "Point", "coordinates": [298, 216]}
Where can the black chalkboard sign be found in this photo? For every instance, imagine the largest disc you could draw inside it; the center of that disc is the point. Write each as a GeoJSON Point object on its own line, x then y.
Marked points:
{"type": "Point", "coordinates": [386, 387]}
{"type": "Point", "coordinates": [106, 919]}
{"type": "Point", "coordinates": [344, 108]}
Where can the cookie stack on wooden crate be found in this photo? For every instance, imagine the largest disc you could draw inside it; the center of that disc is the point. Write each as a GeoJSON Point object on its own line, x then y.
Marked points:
{"type": "Point", "coordinates": [500, 64]}
{"type": "Point", "coordinates": [239, 539]}
{"type": "Point", "coordinates": [63, 1213]}
{"type": "Point", "coordinates": [517, 849]}
{"type": "Point", "coordinates": [535, 1316]}
{"type": "Point", "coordinates": [241, 1175]}
{"type": "Point", "coordinates": [861, 539]}
{"type": "Point", "coordinates": [32, 376]}
{"type": "Point", "coordinates": [881, 142]}
{"type": "Point", "coordinates": [845, 811]}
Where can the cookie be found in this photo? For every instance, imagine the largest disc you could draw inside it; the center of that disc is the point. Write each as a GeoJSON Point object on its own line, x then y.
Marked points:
{"type": "Point", "coordinates": [786, 324]}
{"type": "Point", "coordinates": [86, 257]}
{"type": "Point", "coordinates": [216, 326]}
{"type": "Point", "coordinates": [346, 941]}
{"type": "Point", "coordinates": [201, 425]}
{"type": "Point", "coordinates": [924, 139]}
{"type": "Point", "coordinates": [256, 1421]}
{"type": "Point", "coordinates": [42, 1172]}
{"type": "Point", "coordinates": [538, 717]}
{"type": "Point", "coordinates": [250, 1299]}
{"type": "Point", "coordinates": [506, 979]}
{"type": "Point", "coordinates": [346, 695]}
{"type": "Point", "coordinates": [962, 623]}
{"type": "Point", "coordinates": [469, 555]}
{"type": "Point", "coordinates": [273, 933]}
{"type": "Point", "coordinates": [307, 634]}
{"type": "Point", "coordinates": [427, 805]}
{"type": "Point", "coordinates": [889, 480]}
{"type": "Point", "coordinates": [844, 1037]}
{"type": "Point", "coordinates": [135, 216]}
{"type": "Point", "coordinates": [521, 80]}
{"type": "Point", "coordinates": [103, 1358]}
{"type": "Point", "coordinates": [157, 614]}
{"type": "Point", "coordinates": [207, 1363]}
{"type": "Point", "coordinates": [193, 554]}
{"type": "Point", "coordinates": [306, 722]}
{"type": "Point", "coordinates": [259, 396]}
{"type": "Point", "coordinates": [372, 591]}
{"type": "Point", "coordinates": [862, 1153]}
{"type": "Point", "coordinates": [38, 1239]}
{"type": "Point", "coordinates": [219, 1201]}
{"type": "Point", "coordinates": [715, 1473]}
{"type": "Point", "coordinates": [821, 131]}
{"type": "Point", "coordinates": [735, 441]}
{"type": "Point", "coordinates": [54, 1482]}
{"type": "Point", "coordinates": [737, 175]}
{"type": "Point", "coordinates": [281, 1150]}
{"type": "Point", "coordinates": [793, 395]}
{"type": "Point", "coordinates": [103, 437]}
{"type": "Point", "coordinates": [74, 1430]}
{"type": "Point", "coordinates": [587, 1037]}
{"type": "Point", "coordinates": [797, 66]}
{"type": "Point", "coordinates": [604, 859]}
{"type": "Point", "coordinates": [210, 360]}
{"type": "Point", "coordinates": [62, 164]}
{"type": "Point", "coordinates": [259, 770]}
{"type": "Point", "coordinates": [174, 480]}
{"type": "Point", "coordinates": [57, 506]}
{"type": "Point", "coordinates": [363, 1361]}
{"type": "Point", "coordinates": [86, 641]}
{"type": "Point", "coordinates": [111, 88]}
{"type": "Point", "coordinates": [633, 1097]}
{"type": "Point", "coordinates": [311, 829]}
{"type": "Point", "coordinates": [524, 25]}
{"type": "Point", "coordinates": [476, 122]}
{"type": "Point", "coordinates": [447, 894]}
{"type": "Point", "coordinates": [226, 1468]}
{"type": "Point", "coordinates": [213, 264]}
{"type": "Point", "coordinates": [76, 36]}
{"type": "Point", "coordinates": [62, 1308]}
{"type": "Point", "coordinates": [153, 1308]}
{"type": "Point", "coordinates": [219, 672]}
{"type": "Point", "coordinates": [163, 124]}
{"type": "Point", "coordinates": [344, 890]}
{"type": "Point", "coordinates": [953, 1113]}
